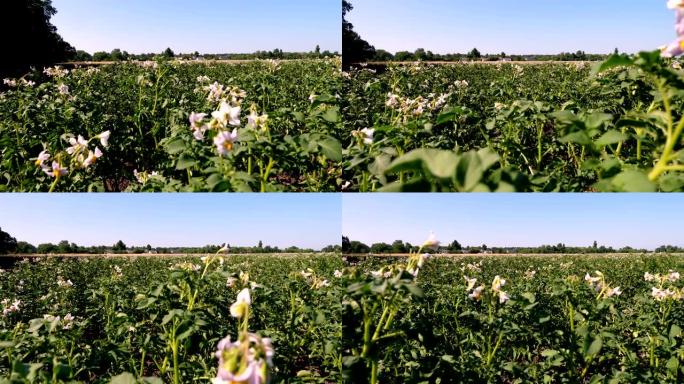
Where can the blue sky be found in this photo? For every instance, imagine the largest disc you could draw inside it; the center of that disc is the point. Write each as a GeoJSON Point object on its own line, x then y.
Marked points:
{"type": "Point", "coordinates": [207, 26]}
{"type": "Point", "coordinates": [514, 26]}
{"type": "Point", "coordinates": [305, 220]}
{"type": "Point", "coordinates": [638, 220]}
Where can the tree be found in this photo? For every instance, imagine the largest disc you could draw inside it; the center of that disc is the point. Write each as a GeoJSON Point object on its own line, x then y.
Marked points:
{"type": "Point", "coordinates": [83, 56]}
{"type": "Point", "coordinates": [354, 48]}
{"type": "Point", "coordinates": [359, 247]}
{"type": "Point", "coordinates": [595, 245]}
{"type": "Point", "coordinates": [454, 247]}
{"type": "Point", "coordinates": [119, 246]}
{"type": "Point", "coordinates": [25, 248]}
{"type": "Point", "coordinates": [260, 245]}
{"type": "Point", "coordinates": [168, 53]}
{"type": "Point", "coordinates": [346, 245]}
{"type": "Point", "coordinates": [318, 50]}
{"type": "Point", "coordinates": [474, 54]}
{"type": "Point", "coordinates": [398, 247]}
{"type": "Point", "coordinates": [8, 244]}
{"type": "Point", "coordinates": [101, 56]}
{"type": "Point", "coordinates": [420, 54]}
{"type": "Point", "coordinates": [30, 40]}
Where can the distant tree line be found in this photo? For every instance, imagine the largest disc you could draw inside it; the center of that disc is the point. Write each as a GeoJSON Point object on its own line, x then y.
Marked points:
{"type": "Point", "coordinates": [454, 247]}
{"type": "Point", "coordinates": [421, 54]}
{"type": "Point", "coordinates": [119, 55]}
{"type": "Point", "coordinates": [9, 245]}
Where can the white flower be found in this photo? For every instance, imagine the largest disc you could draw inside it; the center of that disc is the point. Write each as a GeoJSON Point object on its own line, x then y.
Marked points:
{"type": "Point", "coordinates": [10, 82]}
{"type": "Point", "coordinates": [255, 121]}
{"type": "Point", "coordinates": [658, 294]}
{"type": "Point", "coordinates": [104, 138]}
{"type": "Point", "coordinates": [77, 145]}
{"type": "Point", "coordinates": [497, 283]}
{"type": "Point", "coordinates": [198, 130]}
{"type": "Point", "coordinates": [673, 276]}
{"type": "Point", "coordinates": [477, 293]}
{"type": "Point", "coordinates": [392, 99]}
{"type": "Point", "coordinates": [42, 158]}
{"type": "Point", "coordinates": [470, 283]}
{"type": "Point", "coordinates": [56, 171]}
{"type": "Point", "coordinates": [224, 141]}
{"type": "Point", "coordinates": [338, 273]}
{"type": "Point", "coordinates": [230, 282]}
{"type": "Point", "coordinates": [92, 157]}
{"type": "Point", "coordinates": [648, 276]}
{"type": "Point", "coordinates": [227, 114]}
{"type": "Point", "coordinates": [67, 321]}
{"type": "Point", "coordinates": [312, 98]}
{"type": "Point", "coordinates": [367, 135]}
{"type": "Point", "coordinates": [63, 89]}
{"type": "Point", "coordinates": [240, 307]}
{"type": "Point", "coordinates": [203, 79]}
{"type": "Point", "coordinates": [503, 297]}
{"type": "Point", "coordinates": [614, 292]}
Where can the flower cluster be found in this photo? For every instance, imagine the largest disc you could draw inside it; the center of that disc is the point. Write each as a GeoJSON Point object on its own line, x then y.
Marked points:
{"type": "Point", "coordinates": [475, 293]}
{"type": "Point", "coordinates": [81, 155]}
{"type": "Point", "coordinates": [671, 276]}
{"type": "Point", "coordinates": [598, 283]}
{"type": "Point", "coordinates": [665, 289]}
{"type": "Point", "coordinates": [244, 361]}
{"type": "Point", "coordinates": [364, 136]}
{"type": "Point", "coordinates": [315, 281]}
{"type": "Point", "coordinates": [144, 176]}
{"type": "Point", "coordinates": [64, 283]}
{"type": "Point", "coordinates": [408, 108]}
{"type": "Point", "coordinates": [185, 266]}
{"type": "Point", "coordinates": [67, 322]}
{"type": "Point", "coordinates": [225, 117]}
{"type": "Point", "coordinates": [9, 307]}
{"type": "Point", "coordinates": [676, 48]}
{"type": "Point", "coordinates": [56, 72]}
{"type": "Point", "coordinates": [248, 359]}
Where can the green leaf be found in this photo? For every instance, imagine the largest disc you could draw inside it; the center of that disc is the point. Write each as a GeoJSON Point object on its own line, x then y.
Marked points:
{"type": "Point", "coordinates": [433, 162]}
{"type": "Point", "coordinates": [331, 148]}
{"type": "Point", "coordinates": [124, 378]}
{"type": "Point", "coordinates": [633, 181]}
{"type": "Point", "coordinates": [332, 115]}
{"type": "Point", "coordinates": [612, 62]}
{"type": "Point", "coordinates": [595, 347]}
{"type": "Point", "coordinates": [175, 146]}
{"type": "Point", "coordinates": [185, 162]}
{"type": "Point", "coordinates": [610, 137]}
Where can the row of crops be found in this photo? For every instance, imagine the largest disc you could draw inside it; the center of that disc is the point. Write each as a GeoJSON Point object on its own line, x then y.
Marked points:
{"type": "Point", "coordinates": [611, 126]}
{"type": "Point", "coordinates": [326, 318]}
{"type": "Point", "coordinates": [173, 126]}
{"type": "Point", "coordinates": [307, 126]}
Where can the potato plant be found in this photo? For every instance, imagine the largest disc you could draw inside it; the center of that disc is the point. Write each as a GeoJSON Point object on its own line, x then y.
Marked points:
{"type": "Point", "coordinates": [173, 126]}
{"type": "Point", "coordinates": [172, 320]}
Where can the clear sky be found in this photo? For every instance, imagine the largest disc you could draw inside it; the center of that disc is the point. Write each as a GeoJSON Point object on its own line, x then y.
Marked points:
{"type": "Point", "coordinates": [207, 26]}
{"type": "Point", "coordinates": [638, 220]}
{"type": "Point", "coordinates": [514, 26]}
{"type": "Point", "coordinates": [304, 220]}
